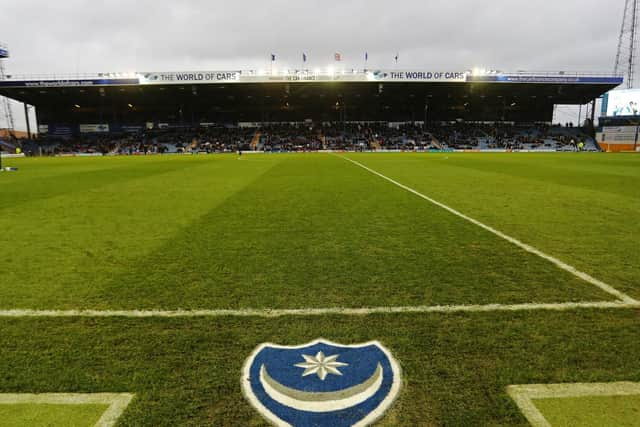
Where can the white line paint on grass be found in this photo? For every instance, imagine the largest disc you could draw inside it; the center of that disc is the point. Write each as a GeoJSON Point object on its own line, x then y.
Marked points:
{"type": "Point", "coordinates": [560, 264]}
{"type": "Point", "coordinates": [602, 305]}
{"type": "Point", "coordinates": [524, 395]}
{"type": "Point", "coordinates": [117, 402]}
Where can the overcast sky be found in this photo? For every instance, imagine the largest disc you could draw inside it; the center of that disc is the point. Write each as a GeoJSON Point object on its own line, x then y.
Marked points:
{"type": "Point", "coordinates": [139, 35]}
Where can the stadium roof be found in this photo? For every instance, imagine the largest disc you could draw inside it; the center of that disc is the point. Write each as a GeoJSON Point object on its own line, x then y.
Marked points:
{"type": "Point", "coordinates": [295, 95]}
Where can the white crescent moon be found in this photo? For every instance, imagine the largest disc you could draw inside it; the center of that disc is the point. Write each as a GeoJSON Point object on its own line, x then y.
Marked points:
{"type": "Point", "coordinates": [321, 401]}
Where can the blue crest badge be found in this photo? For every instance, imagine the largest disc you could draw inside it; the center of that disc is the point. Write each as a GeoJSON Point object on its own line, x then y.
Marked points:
{"type": "Point", "coordinates": [321, 383]}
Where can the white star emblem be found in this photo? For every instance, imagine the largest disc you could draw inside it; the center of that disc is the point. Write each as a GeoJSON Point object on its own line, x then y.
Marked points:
{"type": "Point", "coordinates": [321, 365]}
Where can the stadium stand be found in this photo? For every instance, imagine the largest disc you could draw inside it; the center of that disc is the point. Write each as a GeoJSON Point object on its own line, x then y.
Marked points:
{"type": "Point", "coordinates": [288, 137]}
{"type": "Point", "coordinates": [217, 111]}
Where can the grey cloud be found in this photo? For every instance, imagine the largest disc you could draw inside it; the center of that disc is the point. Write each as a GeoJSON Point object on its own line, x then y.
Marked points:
{"type": "Point", "coordinates": [119, 35]}
{"type": "Point", "coordinates": [47, 36]}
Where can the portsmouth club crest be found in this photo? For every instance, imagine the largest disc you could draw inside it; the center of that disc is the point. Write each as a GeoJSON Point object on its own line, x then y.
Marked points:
{"type": "Point", "coordinates": [321, 383]}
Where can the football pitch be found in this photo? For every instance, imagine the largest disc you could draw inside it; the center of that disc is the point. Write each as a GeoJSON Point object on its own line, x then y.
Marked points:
{"type": "Point", "coordinates": [158, 276]}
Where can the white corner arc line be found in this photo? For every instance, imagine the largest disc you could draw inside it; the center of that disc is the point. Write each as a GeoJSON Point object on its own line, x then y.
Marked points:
{"type": "Point", "coordinates": [340, 311]}
{"type": "Point", "coordinates": [523, 395]}
{"type": "Point", "coordinates": [117, 402]}
{"type": "Point", "coordinates": [560, 264]}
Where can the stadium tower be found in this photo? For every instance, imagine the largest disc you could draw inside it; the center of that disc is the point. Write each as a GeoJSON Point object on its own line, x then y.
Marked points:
{"type": "Point", "coordinates": [6, 105]}
{"type": "Point", "coordinates": [628, 42]}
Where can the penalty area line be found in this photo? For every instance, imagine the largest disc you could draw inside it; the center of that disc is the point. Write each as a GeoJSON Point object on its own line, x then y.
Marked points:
{"type": "Point", "coordinates": [558, 263]}
{"type": "Point", "coordinates": [444, 309]}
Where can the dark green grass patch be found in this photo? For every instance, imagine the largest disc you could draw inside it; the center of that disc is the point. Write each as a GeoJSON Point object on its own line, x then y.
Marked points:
{"type": "Point", "coordinates": [288, 231]}
{"type": "Point", "coordinates": [187, 371]}
{"type": "Point", "coordinates": [57, 248]}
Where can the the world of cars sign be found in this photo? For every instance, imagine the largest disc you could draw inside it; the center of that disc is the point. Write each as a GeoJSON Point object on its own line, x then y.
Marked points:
{"type": "Point", "coordinates": [331, 74]}
{"type": "Point", "coordinates": [427, 75]}
{"type": "Point", "coordinates": [422, 76]}
{"type": "Point", "coordinates": [274, 76]}
{"type": "Point", "coordinates": [189, 77]}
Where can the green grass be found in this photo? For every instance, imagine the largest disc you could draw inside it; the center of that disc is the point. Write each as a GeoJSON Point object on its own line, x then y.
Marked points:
{"type": "Point", "coordinates": [314, 230]}
{"type": "Point", "coordinates": [49, 415]}
{"type": "Point", "coordinates": [580, 208]}
{"type": "Point", "coordinates": [171, 232]}
{"type": "Point", "coordinates": [595, 411]}
{"type": "Point", "coordinates": [187, 371]}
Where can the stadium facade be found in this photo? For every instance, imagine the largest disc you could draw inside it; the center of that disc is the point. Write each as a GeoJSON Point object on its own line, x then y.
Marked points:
{"type": "Point", "coordinates": [130, 102]}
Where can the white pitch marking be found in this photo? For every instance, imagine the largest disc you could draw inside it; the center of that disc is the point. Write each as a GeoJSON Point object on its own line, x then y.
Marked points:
{"type": "Point", "coordinates": [117, 402]}
{"type": "Point", "coordinates": [561, 264]}
{"type": "Point", "coordinates": [524, 395]}
{"type": "Point", "coordinates": [483, 308]}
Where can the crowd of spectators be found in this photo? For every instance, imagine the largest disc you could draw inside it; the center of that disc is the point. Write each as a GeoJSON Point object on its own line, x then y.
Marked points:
{"type": "Point", "coordinates": [310, 137]}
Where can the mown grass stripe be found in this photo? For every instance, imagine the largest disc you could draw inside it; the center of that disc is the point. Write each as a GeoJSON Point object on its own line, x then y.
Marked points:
{"type": "Point", "coordinates": [560, 264]}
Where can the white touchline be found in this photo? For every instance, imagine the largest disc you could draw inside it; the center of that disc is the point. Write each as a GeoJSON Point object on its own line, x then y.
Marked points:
{"type": "Point", "coordinates": [524, 395]}
{"type": "Point", "coordinates": [249, 312]}
{"type": "Point", "coordinates": [117, 402]}
{"type": "Point", "coordinates": [564, 266]}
